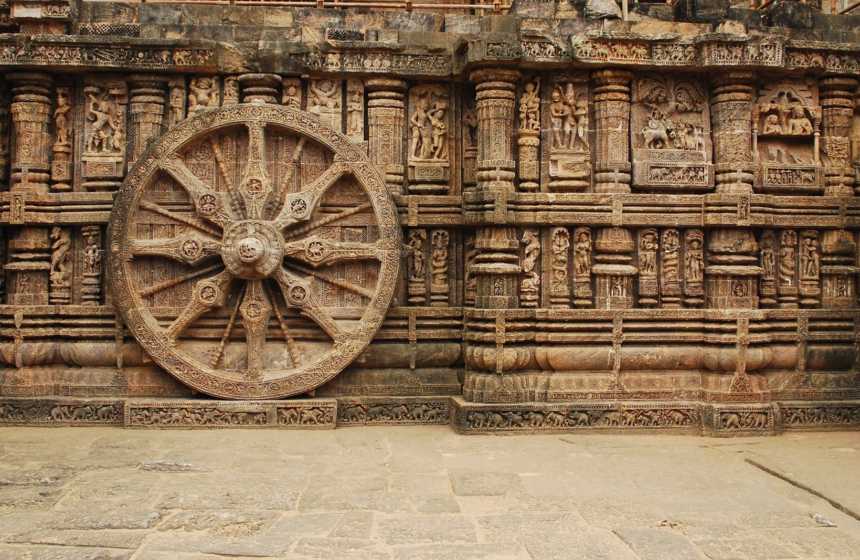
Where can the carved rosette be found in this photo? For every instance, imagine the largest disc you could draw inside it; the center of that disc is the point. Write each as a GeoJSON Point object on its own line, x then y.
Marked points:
{"type": "Point", "coordinates": [253, 252]}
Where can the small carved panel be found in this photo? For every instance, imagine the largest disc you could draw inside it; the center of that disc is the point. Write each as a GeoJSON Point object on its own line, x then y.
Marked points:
{"type": "Point", "coordinates": [429, 139]}
{"type": "Point", "coordinates": [566, 141]}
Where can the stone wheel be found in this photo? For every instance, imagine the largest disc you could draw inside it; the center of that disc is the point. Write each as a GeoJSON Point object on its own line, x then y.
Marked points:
{"type": "Point", "coordinates": [254, 252]}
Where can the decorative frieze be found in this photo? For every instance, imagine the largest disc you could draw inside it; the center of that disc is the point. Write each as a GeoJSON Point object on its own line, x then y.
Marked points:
{"type": "Point", "coordinates": [316, 413]}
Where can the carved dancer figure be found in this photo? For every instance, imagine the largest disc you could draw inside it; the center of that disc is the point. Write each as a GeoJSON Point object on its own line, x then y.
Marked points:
{"type": "Point", "coordinates": [809, 257]}
{"type": "Point", "coordinates": [559, 112]}
{"type": "Point", "coordinates": [695, 267]}
{"type": "Point", "coordinates": [582, 254]}
{"type": "Point", "coordinates": [61, 243]}
{"type": "Point", "coordinates": [417, 237]}
{"type": "Point", "coordinates": [322, 95]}
{"type": "Point", "coordinates": [439, 146]}
{"type": "Point", "coordinates": [202, 94]}
{"type": "Point", "coordinates": [530, 106]}
{"type": "Point", "coordinates": [61, 117]}
{"type": "Point", "coordinates": [102, 130]}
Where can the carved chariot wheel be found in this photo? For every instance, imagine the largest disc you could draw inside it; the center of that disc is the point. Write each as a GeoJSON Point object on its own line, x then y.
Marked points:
{"type": "Point", "coordinates": [253, 252]}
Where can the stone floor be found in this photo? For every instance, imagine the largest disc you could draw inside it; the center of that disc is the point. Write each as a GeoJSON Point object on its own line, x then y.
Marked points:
{"type": "Point", "coordinates": [423, 493]}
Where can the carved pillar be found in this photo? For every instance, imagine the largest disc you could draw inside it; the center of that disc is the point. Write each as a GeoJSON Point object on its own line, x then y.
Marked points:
{"type": "Point", "coordinates": [386, 118]}
{"type": "Point", "coordinates": [258, 88]}
{"type": "Point", "coordinates": [837, 111]}
{"type": "Point", "coordinates": [612, 116]}
{"type": "Point", "coordinates": [613, 270]}
{"type": "Point", "coordinates": [4, 133]}
{"type": "Point", "coordinates": [29, 251]}
{"type": "Point", "coordinates": [496, 266]}
{"type": "Point", "coordinates": [732, 272]}
{"type": "Point", "coordinates": [495, 96]}
{"type": "Point", "coordinates": [838, 269]}
{"type": "Point", "coordinates": [731, 114]}
{"type": "Point", "coordinates": [146, 105]}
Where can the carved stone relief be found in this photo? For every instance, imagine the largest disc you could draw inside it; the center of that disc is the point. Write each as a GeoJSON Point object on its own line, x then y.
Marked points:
{"type": "Point", "coordinates": [671, 134]}
{"type": "Point", "coordinates": [566, 141]}
{"type": "Point", "coordinates": [429, 139]}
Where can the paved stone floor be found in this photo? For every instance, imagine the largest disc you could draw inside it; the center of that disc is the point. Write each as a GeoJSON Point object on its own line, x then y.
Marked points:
{"type": "Point", "coordinates": [423, 493]}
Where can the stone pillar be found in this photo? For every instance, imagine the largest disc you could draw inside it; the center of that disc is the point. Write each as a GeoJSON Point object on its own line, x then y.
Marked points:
{"type": "Point", "coordinates": [29, 251]}
{"type": "Point", "coordinates": [496, 265]}
{"type": "Point", "coordinates": [731, 118]}
{"type": "Point", "coordinates": [838, 269]}
{"type": "Point", "coordinates": [386, 121]}
{"type": "Point", "coordinates": [837, 112]}
{"type": "Point", "coordinates": [612, 120]}
{"type": "Point", "coordinates": [147, 98]}
{"type": "Point", "coordinates": [4, 133]}
{"type": "Point", "coordinates": [495, 94]}
{"type": "Point", "coordinates": [613, 268]}
{"type": "Point", "coordinates": [733, 270]}
{"type": "Point", "coordinates": [259, 88]}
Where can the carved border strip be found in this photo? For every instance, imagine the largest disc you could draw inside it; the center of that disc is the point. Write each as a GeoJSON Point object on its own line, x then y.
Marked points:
{"type": "Point", "coordinates": [735, 420]}
{"type": "Point", "coordinates": [395, 410]}
{"type": "Point", "coordinates": [482, 418]}
{"type": "Point", "coordinates": [105, 54]}
{"type": "Point", "coordinates": [819, 415]}
{"type": "Point", "coordinates": [61, 411]}
{"type": "Point", "coordinates": [317, 413]}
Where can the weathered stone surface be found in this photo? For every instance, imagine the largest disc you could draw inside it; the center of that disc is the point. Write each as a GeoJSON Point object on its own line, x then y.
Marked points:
{"type": "Point", "coordinates": [530, 216]}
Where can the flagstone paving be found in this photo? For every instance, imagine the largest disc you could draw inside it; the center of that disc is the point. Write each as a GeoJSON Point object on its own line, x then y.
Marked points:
{"type": "Point", "coordinates": [416, 493]}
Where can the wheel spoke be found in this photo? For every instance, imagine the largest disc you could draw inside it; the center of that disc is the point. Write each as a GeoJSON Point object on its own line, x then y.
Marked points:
{"type": "Point", "coordinates": [189, 248]}
{"type": "Point", "coordinates": [207, 294]}
{"type": "Point", "coordinates": [170, 282]}
{"type": "Point", "coordinates": [227, 330]}
{"type": "Point", "coordinates": [255, 186]}
{"type": "Point", "coordinates": [209, 203]}
{"type": "Point", "coordinates": [187, 220]}
{"type": "Point", "coordinates": [346, 284]}
{"type": "Point", "coordinates": [255, 311]}
{"type": "Point", "coordinates": [273, 202]}
{"type": "Point", "coordinates": [300, 206]}
{"type": "Point", "coordinates": [292, 349]}
{"type": "Point", "coordinates": [298, 232]}
{"type": "Point", "coordinates": [317, 251]}
{"type": "Point", "coordinates": [297, 293]}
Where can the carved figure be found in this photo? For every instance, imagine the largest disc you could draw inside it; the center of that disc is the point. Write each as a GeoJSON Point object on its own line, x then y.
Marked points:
{"type": "Point", "coordinates": [202, 94]}
{"type": "Point", "coordinates": [322, 96]}
{"type": "Point", "coordinates": [417, 237]}
{"type": "Point", "coordinates": [354, 109]}
{"type": "Point", "coordinates": [106, 126]}
{"type": "Point", "coordinates": [61, 117]}
{"type": "Point", "coordinates": [695, 267]}
{"type": "Point", "coordinates": [560, 246]}
{"type": "Point", "coordinates": [470, 119]}
{"type": "Point", "coordinates": [787, 258]}
{"type": "Point", "coordinates": [61, 243]}
{"type": "Point", "coordinates": [648, 253]}
{"type": "Point", "coordinates": [809, 257]}
{"type": "Point", "coordinates": [530, 106]}
{"type": "Point", "coordinates": [439, 144]}
{"type": "Point", "coordinates": [582, 254]}
{"type": "Point", "coordinates": [531, 252]}
{"type": "Point", "coordinates": [439, 257]}
{"type": "Point", "coordinates": [560, 115]}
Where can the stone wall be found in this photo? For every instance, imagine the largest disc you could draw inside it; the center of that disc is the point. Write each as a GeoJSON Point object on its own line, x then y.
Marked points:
{"type": "Point", "coordinates": [562, 222]}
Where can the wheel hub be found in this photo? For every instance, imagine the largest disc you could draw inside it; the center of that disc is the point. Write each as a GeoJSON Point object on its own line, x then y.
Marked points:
{"type": "Point", "coordinates": [252, 249]}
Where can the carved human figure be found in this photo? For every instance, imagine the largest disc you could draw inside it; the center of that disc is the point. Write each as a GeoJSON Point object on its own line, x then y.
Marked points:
{"type": "Point", "coordinates": [106, 126]}
{"type": "Point", "coordinates": [470, 120]}
{"type": "Point", "coordinates": [202, 94]}
{"type": "Point", "coordinates": [439, 142]}
{"type": "Point", "coordinates": [809, 257]}
{"type": "Point", "coordinates": [771, 125]}
{"type": "Point", "coordinates": [531, 252]}
{"type": "Point", "coordinates": [798, 122]}
{"type": "Point", "coordinates": [354, 109]}
{"type": "Point", "coordinates": [768, 257]}
{"type": "Point", "coordinates": [417, 237]}
{"type": "Point", "coordinates": [61, 243]}
{"type": "Point", "coordinates": [92, 256]}
{"type": "Point", "coordinates": [292, 97]}
{"type": "Point", "coordinates": [648, 253]}
{"type": "Point", "coordinates": [322, 95]}
{"type": "Point", "coordinates": [61, 117]}
{"type": "Point", "coordinates": [560, 113]}
{"type": "Point", "coordinates": [787, 258]}
{"type": "Point", "coordinates": [670, 255]}
{"type": "Point", "coordinates": [582, 254]}
{"type": "Point", "coordinates": [694, 266]}
{"type": "Point", "coordinates": [530, 106]}
{"type": "Point", "coordinates": [421, 130]}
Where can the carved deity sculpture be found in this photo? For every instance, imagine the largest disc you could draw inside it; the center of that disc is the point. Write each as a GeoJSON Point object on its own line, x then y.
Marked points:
{"type": "Point", "coordinates": [530, 106]}
{"type": "Point", "coordinates": [428, 143]}
{"type": "Point", "coordinates": [106, 129]}
{"type": "Point", "coordinates": [670, 134]}
{"type": "Point", "coordinates": [787, 258]}
{"type": "Point", "coordinates": [439, 263]}
{"type": "Point", "coordinates": [648, 247]}
{"type": "Point", "coordinates": [530, 284]}
{"type": "Point", "coordinates": [202, 94]}
{"type": "Point", "coordinates": [694, 268]}
{"type": "Point", "coordinates": [61, 244]}
{"type": "Point", "coordinates": [292, 93]}
{"type": "Point", "coordinates": [670, 282]}
{"type": "Point", "coordinates": [566, 145]}
{"type": "Point", "coordinates": [560, 247]}
{"type": "Point", "coordinates": [355, 110]}
{"type": "Point", "coordinates": [61, 117]}
{"type": "Point", "coordinates": [416, 266]}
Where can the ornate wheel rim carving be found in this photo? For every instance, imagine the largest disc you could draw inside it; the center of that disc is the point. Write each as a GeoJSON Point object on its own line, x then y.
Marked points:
{"type": "Point", "coordinates": [253, 252]}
